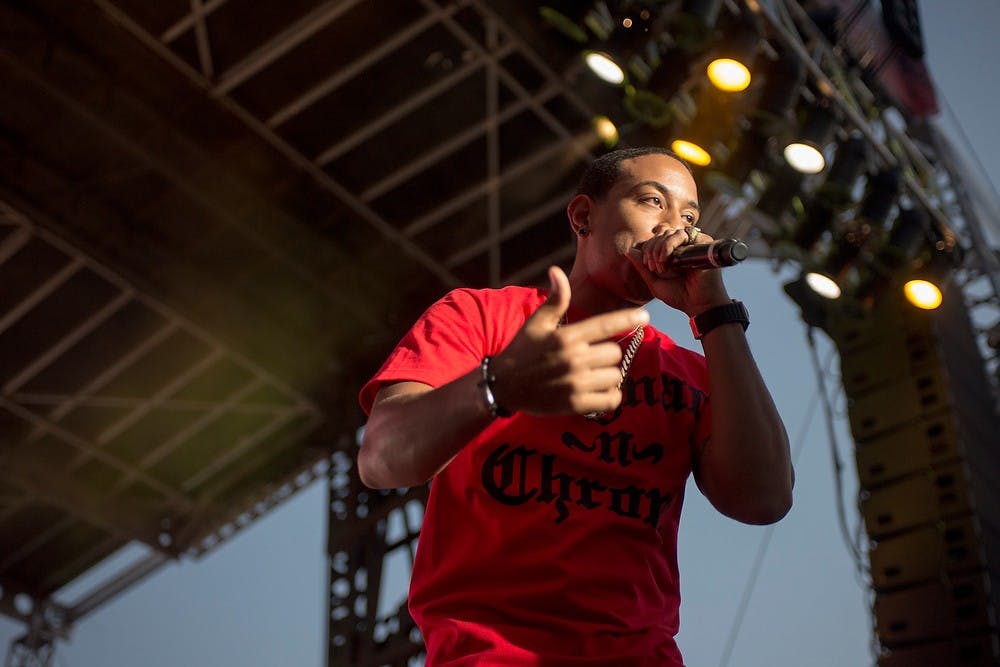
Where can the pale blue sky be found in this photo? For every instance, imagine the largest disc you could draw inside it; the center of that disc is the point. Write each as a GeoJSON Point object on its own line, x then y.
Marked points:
{"type": "Point", "coordinates": [259, 600]}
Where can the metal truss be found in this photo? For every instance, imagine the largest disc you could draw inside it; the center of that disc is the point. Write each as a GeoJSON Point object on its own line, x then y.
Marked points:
{"type": "Point", "coordinates": [480, 58]}
{"type": "Point", "coordinates": [66, 424]}
{"type": "Point", "coordinates": [475, 214]}
{"type": "Point", "coordinates": [369, 530]}
{"type": "Point", "coordinates": [372, 541]}
{"type": "Point", "coordinates": [934, 176]}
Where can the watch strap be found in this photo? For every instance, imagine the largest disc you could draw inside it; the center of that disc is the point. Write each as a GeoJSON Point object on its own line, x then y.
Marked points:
{"type": "Point", "coordinates": [724, 314]}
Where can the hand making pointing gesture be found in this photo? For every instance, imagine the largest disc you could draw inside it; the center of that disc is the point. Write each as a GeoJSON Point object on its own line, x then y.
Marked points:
{"type": "Point", "coordinates": [551, 368]}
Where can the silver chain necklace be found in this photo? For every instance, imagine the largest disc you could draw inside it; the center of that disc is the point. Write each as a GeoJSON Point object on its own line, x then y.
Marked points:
{"type": "Point", "coordinates": [633, 346]}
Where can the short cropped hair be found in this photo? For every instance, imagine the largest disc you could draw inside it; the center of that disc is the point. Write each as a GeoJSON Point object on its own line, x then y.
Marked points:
{"type": "Point", "coordinates": [602, 174]}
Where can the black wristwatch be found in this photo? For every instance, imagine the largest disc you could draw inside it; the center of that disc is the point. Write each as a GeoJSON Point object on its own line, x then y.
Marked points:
{"type": "Point", "coordinates": [724, 314]}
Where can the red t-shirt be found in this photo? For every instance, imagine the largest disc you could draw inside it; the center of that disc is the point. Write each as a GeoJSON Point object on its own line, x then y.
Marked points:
{"type": "Point", "coordinates": [552, 541]}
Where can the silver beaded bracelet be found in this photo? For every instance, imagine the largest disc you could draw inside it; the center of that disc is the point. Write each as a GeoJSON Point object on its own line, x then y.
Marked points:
{"type": "Point", "coordinates": [487, 384]}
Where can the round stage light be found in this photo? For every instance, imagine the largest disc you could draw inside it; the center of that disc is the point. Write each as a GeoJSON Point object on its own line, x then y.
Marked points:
{"type": "Point", "coordinates": [805, 158]}
{"type": "Point", "coordinates": [606, 131]}
{"type": "Point", "coordinates": [823, 285]}
{"type": "Point", "coordinates": [604, 67]}
{"type": "Point", "coordinates": [728, 75]}
{"type": "Point", "coordinates": [691, 152]}
{"type": "Point", "coordinates": [922, 294]}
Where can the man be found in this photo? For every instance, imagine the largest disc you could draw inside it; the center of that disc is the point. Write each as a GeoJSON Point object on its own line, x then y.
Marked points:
{"type": "Point", "coordinates": [559, 459]}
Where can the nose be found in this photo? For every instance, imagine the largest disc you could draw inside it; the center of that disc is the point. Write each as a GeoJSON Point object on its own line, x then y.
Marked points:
{"type": "Point", "coordinates": [665, 226]}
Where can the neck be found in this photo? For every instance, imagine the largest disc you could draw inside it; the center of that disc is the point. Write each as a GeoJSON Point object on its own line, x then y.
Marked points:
{"type": "Point", "coordinates": [594, 298]}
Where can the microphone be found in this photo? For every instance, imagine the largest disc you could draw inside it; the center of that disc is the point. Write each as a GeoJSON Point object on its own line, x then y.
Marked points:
{"type": "Point", "coordinates": [714, 255]}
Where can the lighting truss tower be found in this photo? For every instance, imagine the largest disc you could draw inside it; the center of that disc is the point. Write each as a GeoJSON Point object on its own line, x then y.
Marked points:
{"type": "Point", "coordinates": [371, 543]}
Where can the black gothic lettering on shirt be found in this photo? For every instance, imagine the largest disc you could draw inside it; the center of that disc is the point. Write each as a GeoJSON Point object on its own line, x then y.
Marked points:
{"type": "Point", "coordinates": [657, 503]}
{"type": "Point", "coordinates": [629, 502]}
{"type": "Point", "coordinates": [653, 450]}
{"type": "Point", "coordinates": [549, 494]}
{"type": "Point", "coordinates": [615, 448]}
{"type": "Point", "coordinates": [505, 463]}
{"type": "Point", "coordinates": [669, 392]}
{"type": "Point", "coordinates": [513, 476]}
{"type": "Point", "coordinates": [625, 502]}
{"type": "Point", "coordinates": [587, 488]}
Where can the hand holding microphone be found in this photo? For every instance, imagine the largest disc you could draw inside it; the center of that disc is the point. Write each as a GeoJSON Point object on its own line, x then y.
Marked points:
{"type": "Point", "coordinates": [692, 256]}
{"type": "Point", "coordinates": [672, 263]}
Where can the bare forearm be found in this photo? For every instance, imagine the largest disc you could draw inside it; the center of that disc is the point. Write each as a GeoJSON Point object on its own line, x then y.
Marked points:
{"type": "Point", "coordinates": [745, 469]}
{"type": "Point", "coordinates": [415, 430]}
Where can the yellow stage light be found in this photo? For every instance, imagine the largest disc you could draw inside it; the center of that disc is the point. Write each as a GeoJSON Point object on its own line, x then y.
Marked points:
{"type": "Point", "coordinates": [922, 294]}
{"type": "Point", "coordinates": [606, 131]}
{"type": "Point", "coordinates": [728, 75]}
{"type": "Point", "coordinates": [691, 152]}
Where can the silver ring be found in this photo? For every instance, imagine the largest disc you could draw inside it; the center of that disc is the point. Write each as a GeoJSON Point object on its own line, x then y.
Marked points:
{"type": "Point", "coordinates": [692, 233]}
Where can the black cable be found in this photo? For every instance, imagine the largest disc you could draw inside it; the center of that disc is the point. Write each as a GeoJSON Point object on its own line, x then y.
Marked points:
{"type": "Point", "coordinates": [765, 542]}
{"type": "Point", "coordinates": [838, 468]}
{"type": "Point", "coordinates": [853, 544]}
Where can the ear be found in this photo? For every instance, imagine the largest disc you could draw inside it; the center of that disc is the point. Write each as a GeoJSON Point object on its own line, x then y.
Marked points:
{"type": "Point", "coordinates": [578, 211]}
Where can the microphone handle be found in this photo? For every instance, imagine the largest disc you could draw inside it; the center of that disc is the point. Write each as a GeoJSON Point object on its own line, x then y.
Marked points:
{"type": "Point", "coordinates": [714, 255]}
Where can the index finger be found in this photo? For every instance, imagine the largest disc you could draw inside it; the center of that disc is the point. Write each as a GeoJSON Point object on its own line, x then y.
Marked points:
{"type": "Point", "coordinates": [604, 326]}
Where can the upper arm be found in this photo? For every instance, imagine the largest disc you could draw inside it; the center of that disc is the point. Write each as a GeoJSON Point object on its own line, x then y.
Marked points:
{"type": "Point", "coordinates": [697, 467]}
{"type": "Point", "coordinates": [396, 390]}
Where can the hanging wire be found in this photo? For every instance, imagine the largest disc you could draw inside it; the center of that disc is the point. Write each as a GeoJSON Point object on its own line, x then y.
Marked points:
{"type": "Point", "coordinates": [854, 542]}
{"type": "Point", "coordinates": [838, 467]}
{"type": "Point", "coordinates": [967, 145]}
{"type": "Point", "coordinates": [765, 540]}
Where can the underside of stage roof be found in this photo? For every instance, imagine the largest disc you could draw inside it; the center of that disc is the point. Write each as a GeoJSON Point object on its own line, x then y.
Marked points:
{"type": "Point", "coordinates": [217, 216]}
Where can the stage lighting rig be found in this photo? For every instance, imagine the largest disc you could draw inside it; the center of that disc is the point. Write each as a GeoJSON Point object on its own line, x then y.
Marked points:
{"type": "Point", "coordinates": [881, 193]}
{"type": "Point", "coordinates": [899, 248]}
{"type": "Point", "coordinates": [738, 42]}
{"type": "Point", "coordinates": [835, 195]}
{"type": "Point", "coordinates": [936, 261]}
{"type": "Point", "coordinates": [805, 151]}
{"type": "Point", "coordinates": [618, 39]}
{"type": "Point", "coordinates": [781, 195]}
{"type": "Point", "coordinates": [814, 305]}
{"type": "Point", "coordinates": [581, 22]}
{"type": "Point", "coordinates": [849, 162]}
{"type": "Point", "coordinates": [770, 103]}
{"type": "Point", "coordinates": [711, 121]}
{"type": "Point", "coordinates": [682, 38]}
{"type": "Point", "coordinates": [691, 28]}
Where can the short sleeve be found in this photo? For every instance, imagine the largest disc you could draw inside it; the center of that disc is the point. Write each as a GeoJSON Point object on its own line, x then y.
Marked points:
{"type": "Point", "coordinates": [446, 342]}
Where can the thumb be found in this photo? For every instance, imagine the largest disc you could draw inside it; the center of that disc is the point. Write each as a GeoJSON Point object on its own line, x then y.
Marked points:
{"type": "Point", "coordinates": [551, 312]}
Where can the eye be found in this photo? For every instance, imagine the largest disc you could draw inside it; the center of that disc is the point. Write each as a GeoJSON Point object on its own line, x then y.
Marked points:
{"type": "Point", "coordinates": [690, 218]}
{"type": "Point", "coordinates": [655, 200]}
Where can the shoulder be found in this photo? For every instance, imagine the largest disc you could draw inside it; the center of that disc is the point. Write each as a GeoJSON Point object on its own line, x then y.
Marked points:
{"type": "Point", "coordinates": [490, 301]}
{"type": "Point", "coordinates": [510, 293]}
{"type": "Point", "coordinates": [677, 360]}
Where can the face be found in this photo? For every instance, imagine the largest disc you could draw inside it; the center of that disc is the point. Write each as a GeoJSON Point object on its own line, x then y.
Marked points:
{"type": "Point", "coordinates": [654, 194]}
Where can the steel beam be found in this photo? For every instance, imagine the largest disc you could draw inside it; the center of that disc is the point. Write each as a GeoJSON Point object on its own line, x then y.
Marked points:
{"type": "Point", "coordinates": [338, 78]}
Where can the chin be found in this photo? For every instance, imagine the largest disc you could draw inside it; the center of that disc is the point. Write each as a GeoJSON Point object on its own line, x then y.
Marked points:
{"type": "Point", "coordinates": [636, 290]}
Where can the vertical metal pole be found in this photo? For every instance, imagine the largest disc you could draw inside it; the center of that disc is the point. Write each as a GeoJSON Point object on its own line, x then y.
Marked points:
{"type": "Point", "coordinates": [493, 151]}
